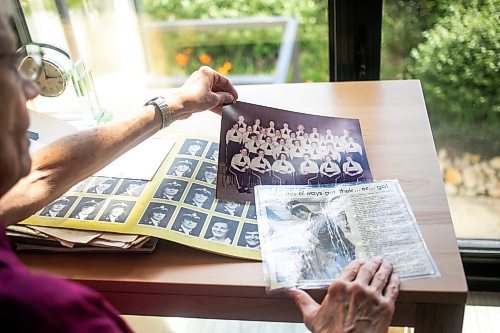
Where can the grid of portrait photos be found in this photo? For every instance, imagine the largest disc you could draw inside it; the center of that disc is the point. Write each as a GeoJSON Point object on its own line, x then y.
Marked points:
{"type": "Point", "coordinates": [178, 204]}
{"type": "Point", "coordinates": [268, 146]}
{"type": "Point", "coordinates": [188, 188]}
{"type": "Point", "coordinates": [103, 199]}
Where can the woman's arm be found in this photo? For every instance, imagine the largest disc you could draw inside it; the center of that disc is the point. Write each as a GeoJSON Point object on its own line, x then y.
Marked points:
{"type": "Point", "coordinates": [68, 160]}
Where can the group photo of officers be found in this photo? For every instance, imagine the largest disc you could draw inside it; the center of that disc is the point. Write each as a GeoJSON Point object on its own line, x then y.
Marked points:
{"type": "Point", "coordinates": [291, 154]}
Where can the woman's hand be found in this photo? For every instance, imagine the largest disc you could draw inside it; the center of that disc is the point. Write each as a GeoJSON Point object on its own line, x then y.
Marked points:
{"type": "Point", "coordinates": [360, 300]}
{"type": "Point", "coordinates": [205, 89]}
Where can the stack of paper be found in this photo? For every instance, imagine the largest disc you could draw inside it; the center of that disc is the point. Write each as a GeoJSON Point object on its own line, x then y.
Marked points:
{"type": "Point", "coordinates": [69, 240]}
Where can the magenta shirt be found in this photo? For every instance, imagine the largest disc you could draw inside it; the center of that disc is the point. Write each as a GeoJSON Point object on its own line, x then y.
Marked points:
{"type": "Point", "coordinates": [43, 303]}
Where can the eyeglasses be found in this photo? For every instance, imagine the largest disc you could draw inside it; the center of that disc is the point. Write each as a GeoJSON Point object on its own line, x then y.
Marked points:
{"type": "Point", "coordinates": [28, 61]}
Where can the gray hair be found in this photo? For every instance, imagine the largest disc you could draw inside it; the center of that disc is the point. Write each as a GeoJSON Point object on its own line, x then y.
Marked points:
{"type": "Point", "coordinates": [5, 7]}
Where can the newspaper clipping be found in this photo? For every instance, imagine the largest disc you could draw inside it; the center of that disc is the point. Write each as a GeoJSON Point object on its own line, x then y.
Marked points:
{"type": "Point", "coordinates": [308, 234]}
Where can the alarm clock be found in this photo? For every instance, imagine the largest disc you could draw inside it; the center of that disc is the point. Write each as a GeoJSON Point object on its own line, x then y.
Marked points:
{"type": "Point", "coordinates": [57, 69]}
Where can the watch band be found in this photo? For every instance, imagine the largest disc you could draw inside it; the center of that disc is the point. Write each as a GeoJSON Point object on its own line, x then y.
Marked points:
{"type": "Point", "coordinates": [160, 103]}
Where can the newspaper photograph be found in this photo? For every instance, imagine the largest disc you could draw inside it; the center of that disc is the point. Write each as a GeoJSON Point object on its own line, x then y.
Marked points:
{"type": "Point", "coordinates": [308, 234]}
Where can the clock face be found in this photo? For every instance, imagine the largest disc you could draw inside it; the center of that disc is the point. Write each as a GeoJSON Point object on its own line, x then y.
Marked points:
{"type": "Point", "coordinates": [52, 81]}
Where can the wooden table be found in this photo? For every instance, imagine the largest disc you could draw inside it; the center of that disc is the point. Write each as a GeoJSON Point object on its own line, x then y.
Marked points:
{"type": "Point", "coordinates": [179, 281]}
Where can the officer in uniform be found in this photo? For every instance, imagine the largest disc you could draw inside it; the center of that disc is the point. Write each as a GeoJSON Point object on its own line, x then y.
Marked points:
{"type": "Point", "coordinates": [261, 168]}
{"type": "Point", "coordinates": [354, 149]}
{"type": "Point", "coordinates": [133, 188]}
{"type": "Point", "coordinates": [182, 169]}
{"type": "Point", "coordinates": [344, 138]}
{"type": "Point", "coordinates": [240, 164]}
{"type": "Point", "coordinates": [297, 154]}
{"type": "Point", "coordinates": [268, 148]}
{"type": "Point", "coordinates": [283, 170]}
{"type": "Point", "coordinates": [242, 126]}
{"type": "Point", "coordinates": [87, 210]}
{"type": "Point", "coordinates": [334, 154]}
{"type": "Point", "coordinates": [170, 191]}
{"type": "Point", "coordinates": [339, 146]}
{"type": "Point", "coordinates": [233, 142]}
{"type": "Point", "coordinates": [194, 148]}
{"type": "Point", "coordinates": [57, 208]}
{"type": "Point", "coordinates": [201, 198]}
{"type": "Point", "coordinates": [188, 224]}
{"type": "Point", "coordinates": [249, 236]}
{"type": "Point", "coordinates": [271, 131]}
{"type": "Point", "coordinates": [261, 136]}
{"type": "Point", "coordinates": [209, 174]}
{"type": "Point", "coordinates": [252, 145]}
{"type": "Point", "coordinates": [315, 153]}
{"type": "Point", "coordinates": [231, 208]}
{"type": "Point", "coordinates": [285, 131]}
{"type": "Point", "coordinates": [329, 135]}
{"type": "Point", "coordinates": [352, 170]}
{"type": "Point", "coordinates": [117, 213]}
{"type": "Point", "coordinates": [290, 141]}
{"type": "Point", "coordinates": [314, 135]}
{"type": "Point", "coordinates": [213, 152]}
{"type": "Point", "coordinates": [306, 142]}
{"type": "Point", "coordinates": [300, 131]}
{"type": "Point", "coordinates": [308, 170]}
{"type": "Point", "coordinates": [329, 171]}
{"type": "Point", "coordinates": [104, 187]}
{"type": "Point", "coordinates": [256, 126]}
{"type": "Point", "coordinates": [156, 217]}
{"type": "Point", "coordinates": [277, 136]}
{"type": "Point", "coordinates": [245, 137]}
{"type": "Point", "coordinates": [281, 148]}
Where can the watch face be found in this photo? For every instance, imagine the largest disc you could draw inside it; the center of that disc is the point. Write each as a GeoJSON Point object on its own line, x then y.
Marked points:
{"type": "Point", "coordinates": [52, 81]}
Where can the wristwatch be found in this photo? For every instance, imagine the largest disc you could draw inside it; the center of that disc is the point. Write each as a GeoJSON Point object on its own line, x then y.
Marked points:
{"type": "Point", "coordinates": [167, 115]}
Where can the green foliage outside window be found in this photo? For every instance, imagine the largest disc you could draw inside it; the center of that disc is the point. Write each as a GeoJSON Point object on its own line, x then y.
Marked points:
{"type": "Point", "coordinates": [252, 53]}
{"type": "Point", "coordinates": [453, 47]}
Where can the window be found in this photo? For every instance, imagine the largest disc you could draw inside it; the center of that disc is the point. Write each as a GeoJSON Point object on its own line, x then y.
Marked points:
{"type": "Point", "coordinates": [452, 47]}
{"type": "Point", "coordinates": [131, 46]}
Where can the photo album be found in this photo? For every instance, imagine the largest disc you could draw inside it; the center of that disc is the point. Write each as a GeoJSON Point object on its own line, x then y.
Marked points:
{"type": "Point", "coordinates": [177, 204]}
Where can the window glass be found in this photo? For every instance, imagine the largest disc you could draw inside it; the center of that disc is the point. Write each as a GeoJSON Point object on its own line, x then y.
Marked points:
{"type": "Point", "coordinates": [453, 48]}
{"type": "Point", "coordinates": [135, 45]}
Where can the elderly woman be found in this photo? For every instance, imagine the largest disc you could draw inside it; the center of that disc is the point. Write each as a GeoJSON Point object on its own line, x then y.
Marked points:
{"type": "Point", "coordinates": [40, 303]}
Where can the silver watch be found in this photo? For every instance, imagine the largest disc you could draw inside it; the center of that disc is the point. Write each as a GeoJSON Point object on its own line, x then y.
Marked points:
{"type": "Point", "coordinates": [160, 103]}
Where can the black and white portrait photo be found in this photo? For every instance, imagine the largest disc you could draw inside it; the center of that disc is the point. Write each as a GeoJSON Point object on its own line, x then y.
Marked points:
{"type": "Point", "coordinates": [117, 211]}
{"type": "Point", "coordinates": [251, 213]}
{"type": "Point", "coordinates": [87, 208]}
{"type": "Point", "coordinates": [59, 208]}
{"type": "Point", "coordinates": [207, 173]}
{"type": "Point", "coordinates": [157, 215]}
{"type": "Point", "coordinates": [249, 236]}
{"type": "Point", "coordinates": [229, 207]}
{"type": "Point", "coordinates": [286, 148]}
{"type": "Point", "coordinates": [193, 147]}
{"type": "Point", "coordinates": [102, 185]}
{"type": "Point", "coordinates": [189, 222]}
{"type": "Point", "coordinates": [182, 167]}
{"type": "Point", "coordinates": [200, 196]}
{"type": "Point", "coordinates": [171, 189]}
{"type": "Point", "coordinates": [221, 230]}
{"type": "Point", "coordinates": [80, 186]}
{"type": "Point", "coordinates": [131, 187]}
{"type": "Point", "coordinates": [213, 152]}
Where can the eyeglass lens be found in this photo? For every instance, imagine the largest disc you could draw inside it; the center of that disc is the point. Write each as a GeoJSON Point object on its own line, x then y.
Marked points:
{"type": "Point", "coordinates": [29, 62]}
